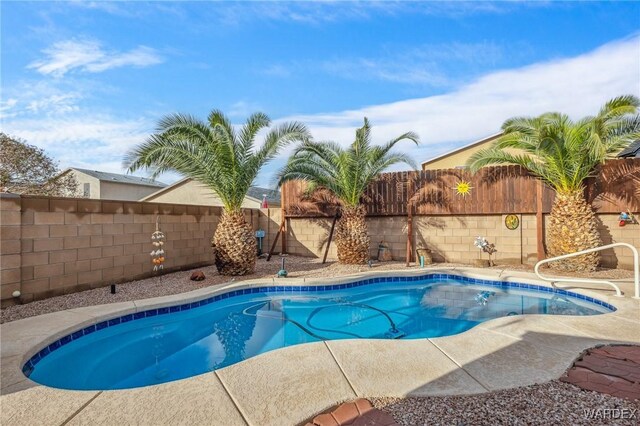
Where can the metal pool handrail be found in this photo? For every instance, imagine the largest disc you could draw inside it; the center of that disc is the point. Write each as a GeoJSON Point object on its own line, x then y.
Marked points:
{"type": "Point", "coordinates": [636, 269]}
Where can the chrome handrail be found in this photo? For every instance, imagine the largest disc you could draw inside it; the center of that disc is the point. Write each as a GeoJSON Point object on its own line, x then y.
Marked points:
{"type": "Point", "coordinates": [636, 269]}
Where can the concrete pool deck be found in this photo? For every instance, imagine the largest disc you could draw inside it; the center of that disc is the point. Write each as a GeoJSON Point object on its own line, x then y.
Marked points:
{"type": "Point", "coordinates": [291, 385]}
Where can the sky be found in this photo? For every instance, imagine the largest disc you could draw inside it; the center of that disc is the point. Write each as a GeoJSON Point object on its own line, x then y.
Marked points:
{"type": "Point", "coordinates": [87, 81]}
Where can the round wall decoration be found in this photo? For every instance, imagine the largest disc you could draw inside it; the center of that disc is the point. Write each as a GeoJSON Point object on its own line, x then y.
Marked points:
{"type": "Point", "coordinates": [511, 221]}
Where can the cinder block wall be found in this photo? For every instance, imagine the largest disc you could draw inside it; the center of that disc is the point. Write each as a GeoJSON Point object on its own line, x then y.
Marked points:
{"type": "Point", "coordinates": [612, 232]}
{"type": "Point", "coordinates": [451, 238]}
{"type": "Point", "coordinates": [10, 246]}
{"type": "Point", "coordinates": [52, 246]}
{"type": "Point", "coordinates": [269, 221]}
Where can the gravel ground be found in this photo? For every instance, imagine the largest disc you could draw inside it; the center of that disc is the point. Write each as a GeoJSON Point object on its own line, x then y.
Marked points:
{"type": "Point", "coordinates": [178, 282]}
{"type": "Point", "coordinates": [611, 274]}
{"type": "Point", "coordinates": [552, 403]}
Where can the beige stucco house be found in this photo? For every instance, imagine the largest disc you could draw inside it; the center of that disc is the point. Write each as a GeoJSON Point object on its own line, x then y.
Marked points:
{"type": "Point", "coordinates": [112, 186]}
{"type": "Point", "coordinates": [189, 191]}
{"type": "Point", "coordinates": [458, 157]}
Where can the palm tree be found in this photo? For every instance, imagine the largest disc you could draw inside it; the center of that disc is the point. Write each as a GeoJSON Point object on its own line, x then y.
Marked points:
{"type": "Point", "coordinates": [346, 173]}
{"type": "Point", "coordinates": [223, 158]}
{"type": "Point", "coordinates": [564, 153]}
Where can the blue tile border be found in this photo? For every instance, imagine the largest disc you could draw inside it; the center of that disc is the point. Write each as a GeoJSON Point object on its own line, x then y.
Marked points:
{"type": "Point", "coordinates": [28, 367]}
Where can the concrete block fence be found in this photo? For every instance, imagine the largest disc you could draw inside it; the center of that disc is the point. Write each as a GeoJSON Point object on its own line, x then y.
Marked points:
{"type": "Point", "coordinates": [451, 237]}
{"type": "Point", "coordinates": [53, 246]}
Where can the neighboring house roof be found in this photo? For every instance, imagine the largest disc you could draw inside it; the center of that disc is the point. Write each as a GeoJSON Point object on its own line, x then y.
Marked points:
{"type": "Point", "coordinates": [632, 151]}
{"type": "Point", "coordinates": [255, 192]}
{"type": "Point", "coordinates": [462, 148]}
{"type": "Point", "coordinates": [114, 177]}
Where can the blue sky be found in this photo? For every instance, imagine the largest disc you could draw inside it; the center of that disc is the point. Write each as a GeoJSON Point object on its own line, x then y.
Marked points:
{"type": "Point", "coordinates": [88, 80]}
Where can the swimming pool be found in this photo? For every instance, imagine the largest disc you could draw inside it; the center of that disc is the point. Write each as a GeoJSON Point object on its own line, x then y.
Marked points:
{"type": "Point", "coordinates": [171, 343]}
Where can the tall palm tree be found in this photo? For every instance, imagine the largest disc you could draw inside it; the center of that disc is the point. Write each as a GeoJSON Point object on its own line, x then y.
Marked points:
{"type": "Point", "coordinates": [226, 160]}
{"type": "Point", "coordinates": [564, 153]}
{"type": "Point", "coordinates": [346, 173]}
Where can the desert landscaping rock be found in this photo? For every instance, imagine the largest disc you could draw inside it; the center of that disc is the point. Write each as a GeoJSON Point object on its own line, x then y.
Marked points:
{"type": "Point", "coordinates": [179, 282]}
{"type": "Point", "coordinates": [197, 276]}
{"type": "Point", "coordinates": [552, 403]}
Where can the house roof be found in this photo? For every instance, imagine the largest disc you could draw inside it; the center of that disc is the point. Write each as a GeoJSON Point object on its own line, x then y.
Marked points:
{"type": "Point", "coordinates": [114, 177]}
{"type": "Point", "coordinates": [632, 151]}
{"type": "Point", "coordinates": [462, 148]}
{"type": "Point", "coordinates": [255, 192]}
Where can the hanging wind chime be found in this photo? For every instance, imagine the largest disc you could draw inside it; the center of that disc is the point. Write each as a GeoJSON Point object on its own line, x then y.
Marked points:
{"type": "Point", "coordinates": [157, 255]}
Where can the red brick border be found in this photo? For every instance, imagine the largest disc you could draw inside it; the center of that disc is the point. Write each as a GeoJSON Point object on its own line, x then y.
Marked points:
{"type": "Point", "coordinates": [614, 370]}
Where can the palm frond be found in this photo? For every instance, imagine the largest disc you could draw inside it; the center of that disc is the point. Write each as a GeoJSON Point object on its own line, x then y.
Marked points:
{"type": "Point", "coordinates": [346, 173]}
{"type": "Point", "coordinates": [561, 152]}
{"type": "Point", "coordinates": [213, 153]}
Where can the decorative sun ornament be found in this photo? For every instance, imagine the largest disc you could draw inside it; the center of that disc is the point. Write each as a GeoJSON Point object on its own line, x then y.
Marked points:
{"type": "Point", "coordinates": [463, 188]}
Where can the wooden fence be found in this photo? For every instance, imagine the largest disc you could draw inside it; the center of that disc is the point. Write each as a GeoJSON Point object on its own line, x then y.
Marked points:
{"type": "Point", "coordinates": [494, 190]}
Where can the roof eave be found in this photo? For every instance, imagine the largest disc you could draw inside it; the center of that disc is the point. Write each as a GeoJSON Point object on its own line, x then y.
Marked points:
{"type": "Point", "coordinates": [462, 148]}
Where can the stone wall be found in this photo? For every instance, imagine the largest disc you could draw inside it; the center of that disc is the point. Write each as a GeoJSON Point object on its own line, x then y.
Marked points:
{"type": "Point", "coordinates": [52, 246]}
{"type": "Point", "coordinates": [611, 232]}
{"type": "Point", "coordinates": [451, 237]}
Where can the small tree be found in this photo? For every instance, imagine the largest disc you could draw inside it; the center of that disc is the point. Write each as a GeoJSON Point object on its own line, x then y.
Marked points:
{"type": "Point", "coordinates": [27, 169]}
{"type": "Point", "coordinates": [346, 173]}
{"type": "Point", "coordinates": [564, 153]}
{"type": "Point", "coordinates": [224, 158]}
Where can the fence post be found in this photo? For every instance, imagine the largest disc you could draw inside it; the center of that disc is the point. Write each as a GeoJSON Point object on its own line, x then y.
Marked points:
{"type": "Point", "coordinates": [284, 227]}
{"type": "Point", "coordinates": [409, 217]}
{"type": "Point", "coordinates": [539, 221]}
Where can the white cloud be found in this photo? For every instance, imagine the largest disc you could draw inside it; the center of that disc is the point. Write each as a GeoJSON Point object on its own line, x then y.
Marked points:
{"type": "Point", "coordinates": [577, 86]}
{"type": "Point", "coordinates": [242, 110]}
{"type": "Point", "coordinates": [89, 56]}
{"type": "Point", "coordinates": [319, 12]}
{"type": "Point", "coordinates": [41, 98]}
{"type": "Point", "coordinates": [83, 137]}
{"type": "Point", "coordinates": [54, 104]}
{"type": "Point", "coordinates": [7, 108]}
{"type": "Point", "coordinates": [437, 65]}
{"type": "Point", "coordinates": [277, 70]}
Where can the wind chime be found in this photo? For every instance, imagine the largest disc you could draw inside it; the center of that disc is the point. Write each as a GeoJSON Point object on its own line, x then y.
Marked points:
{"type": "Point", "coordinates": [157, 255]}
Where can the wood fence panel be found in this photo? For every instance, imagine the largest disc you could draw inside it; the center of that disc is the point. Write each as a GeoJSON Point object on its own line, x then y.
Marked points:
{"type": "Point", "coordinates": [495, 190]}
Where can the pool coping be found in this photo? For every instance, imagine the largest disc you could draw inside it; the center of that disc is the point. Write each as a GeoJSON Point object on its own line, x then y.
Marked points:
{"type": "Point", "coordinates": [23, 338]}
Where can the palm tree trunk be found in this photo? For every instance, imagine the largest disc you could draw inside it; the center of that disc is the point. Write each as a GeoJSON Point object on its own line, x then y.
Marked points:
{"type": "Point", "coordinates": [234, 246]}
{"type": "Point", "coordinates": [573, 227]}
{"type": "Point", "coordinates": [352, 238]}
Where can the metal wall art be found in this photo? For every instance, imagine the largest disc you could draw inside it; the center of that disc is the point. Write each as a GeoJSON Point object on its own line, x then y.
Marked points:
{"type": "Point", "coordinates": [511, 221]}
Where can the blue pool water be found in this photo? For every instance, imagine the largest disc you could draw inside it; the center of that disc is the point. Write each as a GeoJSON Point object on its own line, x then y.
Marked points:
{"type": "Point", "coordinates": [172, 343]}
